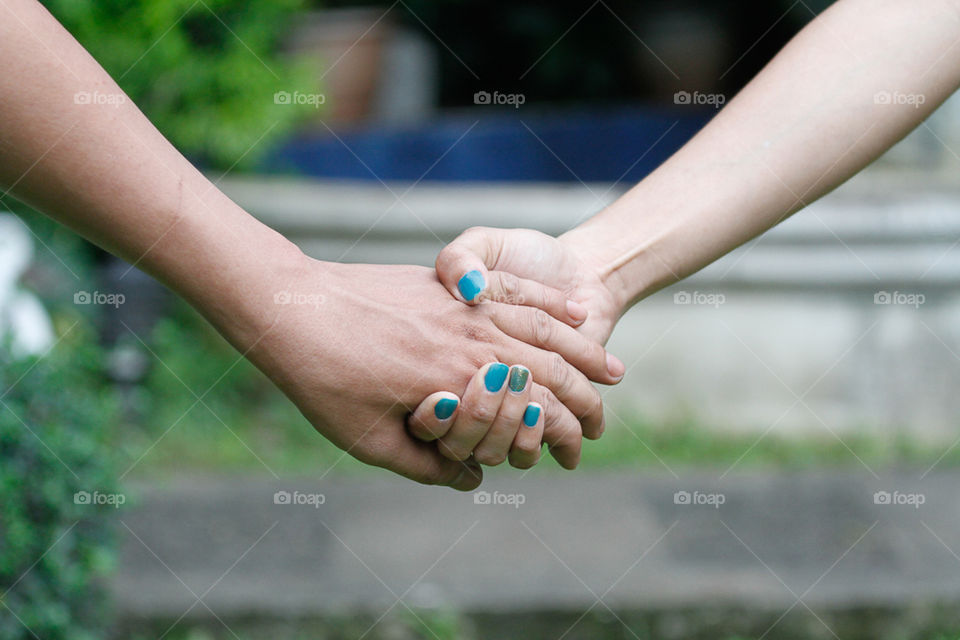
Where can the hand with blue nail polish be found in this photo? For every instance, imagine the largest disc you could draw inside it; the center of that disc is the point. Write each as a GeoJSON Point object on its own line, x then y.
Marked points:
{"type": "Point", "coordinates": [363, 357]}
{"type": "Point", "coordinates": [529, 268]}
{"type": "Point", "coordinates": [494, 422]}
{"type": "Point", "coordinates": [526, 267]}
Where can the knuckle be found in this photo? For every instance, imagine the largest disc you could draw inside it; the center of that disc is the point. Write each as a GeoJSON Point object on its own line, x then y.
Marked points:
{"type": "Point", "coordinates": [542, 327]}
{"type": "Point", "coordinates": [543, 298]}
{"type": "Point", "coordinates": [510, 415]}
{"type": "Point", "coordinates": [509, 286]}
{"type": "Point", "coordinates": [564, 428]}
{"type": "Point", "coordinates": [529, 447]}
{"type": "Point", "coordinates": [447, 254]}
{"type": "Point", "coordinates": [595, 408]}
{"type": "Point", "coordinates": [479, 412]}
{"type": "Point", "coordinates": [453, 452]}
{"type": "Point", "coordinates": [559, 373]}
{"type": "Point", "coordinates": [489, 457]}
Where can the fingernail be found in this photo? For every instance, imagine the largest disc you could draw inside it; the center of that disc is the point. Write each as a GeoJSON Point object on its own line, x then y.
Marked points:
{"type": "Point", "coordinates": [495, 377]}
{"type": "Point", "coordinates": [471, 284]}
{"type": "Point", "coordinates": [445, 408]}
{"type": "Point", "coordinates": [576, 311]}
{"type": "Point", "coordinates": [518, 378]}
{"type": "Point", "coordinates": [531, 414]}
{"type": "Point", "coordinates": [614, 367]}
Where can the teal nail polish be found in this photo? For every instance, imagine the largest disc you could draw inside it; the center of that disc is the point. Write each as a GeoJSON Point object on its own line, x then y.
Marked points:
{"type": "Point", "coordinates": [445, 408]}
{"type": "Point", "coordinates": [531, 415]}
{"type": "Point", "coordinates": [496, 376]}
{"type": "Point", "coordinates": [471, 284]}
{"type": "Point", "coordinates": [518, 379]}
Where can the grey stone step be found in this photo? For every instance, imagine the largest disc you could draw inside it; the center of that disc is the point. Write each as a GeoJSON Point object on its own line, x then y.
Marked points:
{"type": "Point", "coordinates": [577, 541]}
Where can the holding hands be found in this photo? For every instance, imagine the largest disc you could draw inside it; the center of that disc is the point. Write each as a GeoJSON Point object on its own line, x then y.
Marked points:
{"type": "Point", "coordinates": [359, 365]}
{"type": "Point", "coordinates": [563, 306]}
{"type": "Point", "coordinates": [526, 267]}
{"type": "Point", "coordinates": [391, 341]}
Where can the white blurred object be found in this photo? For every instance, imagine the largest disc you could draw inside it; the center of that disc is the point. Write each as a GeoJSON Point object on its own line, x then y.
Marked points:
{"type": "Point", "coordinates": [24, 323]}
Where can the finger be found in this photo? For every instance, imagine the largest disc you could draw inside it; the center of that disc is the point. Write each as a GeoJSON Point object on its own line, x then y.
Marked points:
{"type": "Point", "coordinates": [537, 328]}
{"type": "Point", "coordinates": [462, 264]}
{"type": "Point", "coordinates": [434, 416]}
{"type": "Point", "coordinates": [506, 288]}
{"type": "Point", "coordinates": [561, 430]}
{"type": "Point", "coordinates": [494, 448]}
{"type": "Point", "coordinates": [421, 462]}
{"type": "Point", "coordinates": [525, 451]}
{"type": "Point", "coordinates": [478, 409]}
{"type": "Point", "coordinates": [567, 385]}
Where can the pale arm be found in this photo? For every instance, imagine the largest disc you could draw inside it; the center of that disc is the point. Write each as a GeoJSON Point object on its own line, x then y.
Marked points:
{"type": "Point", "coordinates": [822, 110]}
{"type": "Point", "coordinates": [815, 116]}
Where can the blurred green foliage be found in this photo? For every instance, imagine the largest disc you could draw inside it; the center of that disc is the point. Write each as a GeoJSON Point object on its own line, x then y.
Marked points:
{"type": "Point", "coordinates": [204, 71]}
{"type": "Point", "coordinates": [57, 419]}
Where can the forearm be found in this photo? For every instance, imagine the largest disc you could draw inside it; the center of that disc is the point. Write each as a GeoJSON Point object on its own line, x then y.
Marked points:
{"type": "Point", "coordinates": [99, 166]}
{"type": "Point", "coordinates": [803, 126]}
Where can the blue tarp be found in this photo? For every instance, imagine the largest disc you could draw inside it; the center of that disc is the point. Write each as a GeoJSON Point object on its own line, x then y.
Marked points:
{"type": "Point", "coordinates": [592, 146]}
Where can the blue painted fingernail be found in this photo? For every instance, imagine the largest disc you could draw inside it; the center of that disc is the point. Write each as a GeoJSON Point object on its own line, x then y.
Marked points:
{"type": "Point", "coordinates": [518, 378]}
{"type": "Point", "coordinates": [471, 284]}
{"type": "Point", "coordinates": [496, 376]}
{"type": "Point", "coordinates": [531, 415]}
{"type": "Point", "coordinates": [445, 408]}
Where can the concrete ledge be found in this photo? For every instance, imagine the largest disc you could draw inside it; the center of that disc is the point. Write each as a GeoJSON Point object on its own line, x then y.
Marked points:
{"type": "Point", "coordinates": [878, 229]}
{"type": "Point", "coordinates": [574, 538]}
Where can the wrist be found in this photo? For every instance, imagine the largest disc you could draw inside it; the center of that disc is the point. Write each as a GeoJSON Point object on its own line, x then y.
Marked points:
{"type": "Point", "coordinates": [228, 266]}
{"type": "Point", "coordinates": [589, 245]}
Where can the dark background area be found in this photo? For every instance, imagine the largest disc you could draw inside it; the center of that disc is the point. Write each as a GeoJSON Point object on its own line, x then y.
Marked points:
{"type": "Point", "coordinates": [599, 59]}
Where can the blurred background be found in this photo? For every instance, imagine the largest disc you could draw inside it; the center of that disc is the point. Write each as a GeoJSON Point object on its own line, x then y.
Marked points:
{"type": "Point", "coordinates": [780, 459]}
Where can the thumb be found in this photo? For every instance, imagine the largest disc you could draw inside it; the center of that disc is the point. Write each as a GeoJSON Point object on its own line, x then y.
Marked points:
{"type": "Point", "coordinates": [463, 265]}
{"type": "Point", "coordinates": [423, 463]}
